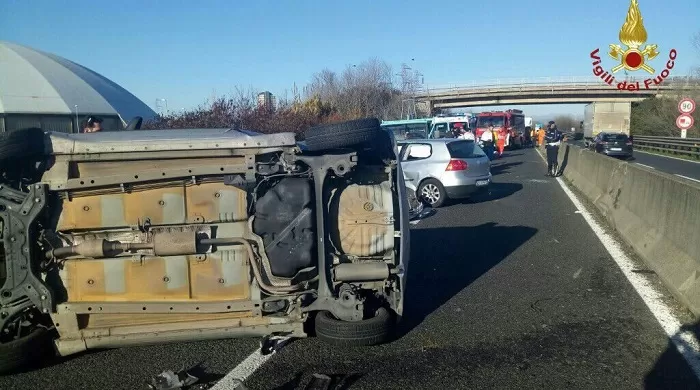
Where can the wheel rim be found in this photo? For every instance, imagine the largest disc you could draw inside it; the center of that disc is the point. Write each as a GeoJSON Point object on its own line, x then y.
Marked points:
{"type": "Point", "coordinates": [431, 193]}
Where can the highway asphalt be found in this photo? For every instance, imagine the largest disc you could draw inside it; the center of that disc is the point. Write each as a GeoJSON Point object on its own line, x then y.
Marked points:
{"type": "Point", "coordinates": [675, 166]}
{"type": "Point", "coordinates": [509, 290]}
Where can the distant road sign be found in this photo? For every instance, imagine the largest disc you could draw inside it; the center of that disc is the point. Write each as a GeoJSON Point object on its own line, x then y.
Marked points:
{"type": "Point", "coordinates": [686, 106]}
{"type": "Point", "coordinates": [684, 121]}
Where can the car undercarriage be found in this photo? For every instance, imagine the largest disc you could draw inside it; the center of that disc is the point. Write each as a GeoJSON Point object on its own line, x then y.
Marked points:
{"type": "Point", "coordinates": [131, 238]}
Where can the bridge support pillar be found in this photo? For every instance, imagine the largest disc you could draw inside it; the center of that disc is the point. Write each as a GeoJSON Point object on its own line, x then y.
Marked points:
{"type": "Point", "coordinates": [430, 108]}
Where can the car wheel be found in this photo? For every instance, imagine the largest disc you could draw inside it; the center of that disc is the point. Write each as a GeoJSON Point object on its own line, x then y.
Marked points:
{"type": "Point", "coordinates": [21, 144]}
{"type": "Point", "coordinates": [371, 331]}
{"type": "Point", "coordinates": [25, 351]}
{"type": "Point", "coordinates": [342, 135]}
{"type": "Point", "coordinates": [432, 192]}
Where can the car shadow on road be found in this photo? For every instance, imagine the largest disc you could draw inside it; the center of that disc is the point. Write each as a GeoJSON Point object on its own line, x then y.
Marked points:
{"type": "Point", "coordinates": [671, 371]}
{"type": "Point", "coordinates": [496, 191]}
{"type": "Point", "coordinates": [446, 260]}
{"type": "Point", "coordinates": [497, 169]}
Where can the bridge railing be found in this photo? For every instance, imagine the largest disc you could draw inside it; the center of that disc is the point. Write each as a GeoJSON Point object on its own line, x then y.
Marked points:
{"type": "Point", "coordinates": [682, 147]}
{"type": "Point", "coordinates": [546, 82]}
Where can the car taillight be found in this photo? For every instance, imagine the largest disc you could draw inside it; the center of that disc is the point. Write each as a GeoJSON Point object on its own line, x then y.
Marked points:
{"type": "Point", "coordinates": [457, 165]}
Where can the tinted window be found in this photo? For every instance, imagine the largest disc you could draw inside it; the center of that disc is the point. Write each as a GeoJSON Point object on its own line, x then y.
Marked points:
{"type": "Point", "coordinates": [465, 149]}
{"type": "Point", "coordinates": [614, 137]}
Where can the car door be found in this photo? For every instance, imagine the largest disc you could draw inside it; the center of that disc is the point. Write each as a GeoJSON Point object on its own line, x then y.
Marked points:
{"type": "Point", "coordinates": [413, 156]}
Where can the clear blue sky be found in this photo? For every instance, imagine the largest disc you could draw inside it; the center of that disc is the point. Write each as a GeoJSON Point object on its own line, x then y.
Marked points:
{"type": "Point", "coordinates": [185, 50]}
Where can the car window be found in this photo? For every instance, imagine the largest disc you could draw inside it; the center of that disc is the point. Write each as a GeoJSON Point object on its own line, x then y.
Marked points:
{"type": "Point", "coordinates": [614, 137]}
{"type": "Point", "coordinates": [416, 130]}
{"type": "Point", "coordinates": [465, 149]}
{"type": "Point", "coordinates": [418, 152]}
{"type": "Point", "coordinates": [398, 131]}
{"type": "Point", "coordinates": [441, 131]}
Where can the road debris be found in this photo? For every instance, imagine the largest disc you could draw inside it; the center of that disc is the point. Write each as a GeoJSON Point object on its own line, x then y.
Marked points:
{"type": "Point", "coordinates": [169, 380]}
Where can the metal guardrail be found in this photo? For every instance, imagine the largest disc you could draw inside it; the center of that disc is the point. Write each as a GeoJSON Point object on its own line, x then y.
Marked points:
{"type": "Point", "coordinates": [686, 147]}
{"type": "Point", "coordinates": [549, 82]}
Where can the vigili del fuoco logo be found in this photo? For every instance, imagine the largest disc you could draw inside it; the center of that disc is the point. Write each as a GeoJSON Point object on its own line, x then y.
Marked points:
{"type": "Point", "coordinates": [631, 56]}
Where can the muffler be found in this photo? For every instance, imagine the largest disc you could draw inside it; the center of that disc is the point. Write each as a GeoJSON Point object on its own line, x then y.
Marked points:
{"type": "Point", "coordinates": [361, 272]}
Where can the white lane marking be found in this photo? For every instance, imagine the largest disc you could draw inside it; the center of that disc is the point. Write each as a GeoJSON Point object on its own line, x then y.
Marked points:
{"type": "Point", "coordinates": [235, 378]}
{"type": "Point", "coordinates": [685, 342]}
{"type": "Point", "coordinates": [665, 156]}
{"type": "Point", "coordinates": [646, 166]}
{"type": "Point", "coordinates": [686, 177]}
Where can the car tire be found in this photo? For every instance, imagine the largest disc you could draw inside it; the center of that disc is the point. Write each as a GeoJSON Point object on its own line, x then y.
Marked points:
{"type": "Point", "coordinates": [372, 331]}
{"type": "Point", "coordinates": [342, 135]}
{"type": "Point", "coordinates": [25, 352]}
{"type": "Point", "coordinates": [22, 144]}
{"type": "Point", "coordinates": [435, 187]}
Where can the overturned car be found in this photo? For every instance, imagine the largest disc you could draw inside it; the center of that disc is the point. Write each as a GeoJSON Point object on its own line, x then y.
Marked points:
{"type": "Point", "coordinates": [139, 237]}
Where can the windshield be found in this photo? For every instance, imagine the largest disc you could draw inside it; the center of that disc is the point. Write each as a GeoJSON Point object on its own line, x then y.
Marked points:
{"type": "Point", "coordinates": [408, 131]}
{"type": "Point", "coordinates": [441, 130]}
{"type": "Point", "coordinates": [486, 121]}
{"type": "Point", "coordinates": [465, 149]}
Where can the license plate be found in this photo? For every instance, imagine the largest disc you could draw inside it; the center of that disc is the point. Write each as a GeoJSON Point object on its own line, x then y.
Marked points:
{"type": "Point", "coordinates": [480, 183]}
{"type": "Point", "coordinates": [616, 149]}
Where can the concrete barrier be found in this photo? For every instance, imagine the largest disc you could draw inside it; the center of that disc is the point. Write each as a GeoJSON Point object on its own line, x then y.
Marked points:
{"type": "Point", "coordinates": [656, 213]}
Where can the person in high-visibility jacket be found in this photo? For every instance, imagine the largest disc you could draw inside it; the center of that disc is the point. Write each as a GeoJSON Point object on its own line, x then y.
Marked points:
{"type": "Point", "coordinates": [500, 143]}
{"type": "Point", "coordinates": [540, 137]}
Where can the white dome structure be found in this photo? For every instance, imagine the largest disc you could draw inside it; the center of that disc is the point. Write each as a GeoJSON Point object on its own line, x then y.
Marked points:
{"type": "Point", "coordinates": [39, 89]}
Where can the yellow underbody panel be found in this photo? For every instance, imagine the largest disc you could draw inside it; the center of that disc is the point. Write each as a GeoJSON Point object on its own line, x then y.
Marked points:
{"type": "Point", "coordinates": [209, 202]}
{"type": "Point", "coordinates": [223, 275]}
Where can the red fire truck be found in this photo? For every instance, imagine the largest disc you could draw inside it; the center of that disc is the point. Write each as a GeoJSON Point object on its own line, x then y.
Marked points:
{"type": "Point", "coordinates": [508, 122]}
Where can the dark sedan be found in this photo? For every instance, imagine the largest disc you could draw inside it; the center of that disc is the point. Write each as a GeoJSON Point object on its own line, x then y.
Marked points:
{"type": "Point", "coordinates": [613, 145]}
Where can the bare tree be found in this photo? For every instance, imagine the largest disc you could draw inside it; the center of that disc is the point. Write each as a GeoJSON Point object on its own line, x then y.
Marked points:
{"type": "Point", "coordinates": [361, 90]}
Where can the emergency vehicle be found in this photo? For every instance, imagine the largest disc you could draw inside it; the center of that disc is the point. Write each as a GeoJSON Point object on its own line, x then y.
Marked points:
{"type": "Point", "coordinates": [509, 124]}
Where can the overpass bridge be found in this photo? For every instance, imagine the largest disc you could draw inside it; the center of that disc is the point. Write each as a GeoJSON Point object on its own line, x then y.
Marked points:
{"type": "Point", "coordinates": [546, 90]}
